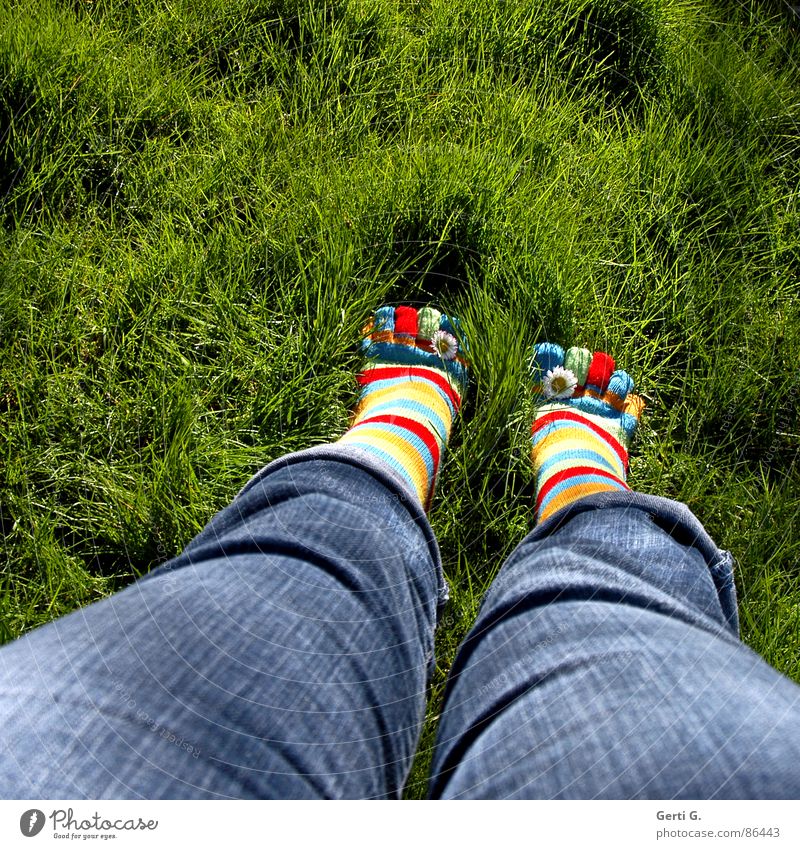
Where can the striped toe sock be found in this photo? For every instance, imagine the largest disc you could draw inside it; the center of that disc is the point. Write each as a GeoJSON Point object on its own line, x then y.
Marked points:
{"type": "Point", "coordinates": [582, 429]}
{"type": "Point", "coordinates": [410, 395]}
{"type": "Point", "coordinates": [575, 454]}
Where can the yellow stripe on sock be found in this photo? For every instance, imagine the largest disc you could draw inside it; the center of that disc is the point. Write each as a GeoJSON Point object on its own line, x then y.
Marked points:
{"type": "Point", "coordinates": [570, 463]}
{"type": "Point", "coordinates": [420, 416]}
{"type": "Point", "coordinates": [573, 493]}
{"type": "Point", "coordinates": [566, 439]}
{"type": "Point", "coordinates": [394, 444]}
{"type": "Point", "coordinates": [420, 392]}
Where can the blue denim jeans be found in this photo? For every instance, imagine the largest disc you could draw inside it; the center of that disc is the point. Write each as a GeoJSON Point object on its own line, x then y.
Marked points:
{"type": "Point", "coordinates": [286, 654]}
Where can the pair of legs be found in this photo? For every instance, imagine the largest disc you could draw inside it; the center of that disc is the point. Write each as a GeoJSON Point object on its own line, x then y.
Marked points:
{"type": "Point", "coordinates": [286, 652]}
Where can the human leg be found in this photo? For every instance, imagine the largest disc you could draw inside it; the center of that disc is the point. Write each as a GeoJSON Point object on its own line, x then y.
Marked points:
{"type": "Point", "coordinates": [605, 661]}
{"type": "Point", "coordinates": [284, 654]}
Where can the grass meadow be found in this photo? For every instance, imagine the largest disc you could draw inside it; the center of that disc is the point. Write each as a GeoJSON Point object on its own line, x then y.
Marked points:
{"type": "Point", "coordinates": [202, 200]}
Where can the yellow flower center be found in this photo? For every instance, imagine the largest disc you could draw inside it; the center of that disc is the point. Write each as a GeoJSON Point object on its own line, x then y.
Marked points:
{"type": "Point", "coordinates": [558, 384]}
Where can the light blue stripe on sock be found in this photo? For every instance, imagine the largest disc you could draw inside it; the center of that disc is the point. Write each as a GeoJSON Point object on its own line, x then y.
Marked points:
{"type": "Point", "coordinates": [436, 423]}
{"type": "Point", "coordinates": [581, 454]}
{"type": "Point", "coordinates": [391, 381]}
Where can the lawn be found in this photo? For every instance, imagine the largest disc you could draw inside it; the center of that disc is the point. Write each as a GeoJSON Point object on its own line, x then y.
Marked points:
{"type": "Point", "coordinates": [202, 200]}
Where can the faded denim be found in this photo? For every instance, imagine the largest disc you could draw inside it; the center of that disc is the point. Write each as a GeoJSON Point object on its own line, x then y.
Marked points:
{"type": "Point", "coordinates": [286, 654]}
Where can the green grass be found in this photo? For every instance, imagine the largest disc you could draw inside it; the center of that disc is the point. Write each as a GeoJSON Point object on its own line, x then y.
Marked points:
{"type": "Point", "coordinates": [201, 201]}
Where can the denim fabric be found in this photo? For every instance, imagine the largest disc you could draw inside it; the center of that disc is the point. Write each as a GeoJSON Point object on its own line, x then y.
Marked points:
{"type": "Point", "coordinates": [605, 663]}
{"type": "Point", "coordinates": [286, 654]}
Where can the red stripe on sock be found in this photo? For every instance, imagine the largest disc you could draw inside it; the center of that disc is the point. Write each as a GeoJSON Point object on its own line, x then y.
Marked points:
{"type": "Point", "coordinates": [391, 372]}
{"type": "Point", "coordinates": [574, 471]}
{"type": "Point", "coordinates": [411, 425]}
{"type": "Point", "coordinates": [563, 415]}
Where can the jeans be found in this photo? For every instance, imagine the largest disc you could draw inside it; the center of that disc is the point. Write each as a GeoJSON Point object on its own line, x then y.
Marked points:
{"type": "Point", "coordinates": [286, 654]}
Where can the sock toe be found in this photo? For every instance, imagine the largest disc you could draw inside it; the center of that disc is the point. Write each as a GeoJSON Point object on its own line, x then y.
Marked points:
{"type": "Point", "coordinates": [405, 322]}
{"type": "Point", "coordinates": [546, 356]}
{"type": "Point", "coordinates": [619, 385]}
{"type": "Point", "coordinates": [600, 371]}
{"type": "Point", "coordinates": [578, 360]}
{"type": "Point", "coordinates": [428, 323]}
{"type": "Point", "coordinates": [384, 319]}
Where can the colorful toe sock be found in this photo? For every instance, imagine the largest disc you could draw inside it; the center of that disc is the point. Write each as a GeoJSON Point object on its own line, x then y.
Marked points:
{"type": "Point", "coordinates": [412, 387]}
{"type": "Point", "coordinates": [583, 427]}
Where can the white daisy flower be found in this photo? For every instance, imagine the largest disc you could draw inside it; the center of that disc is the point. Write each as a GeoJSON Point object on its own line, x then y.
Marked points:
{"type": "Point", "coordinates": [559, 383]}
{"type": "Point", "coordinates": [444, 344]}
